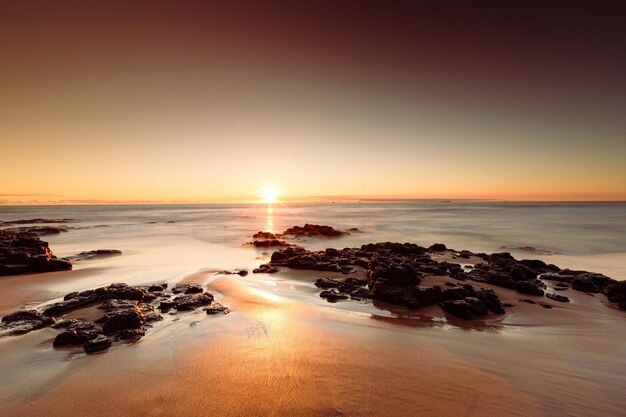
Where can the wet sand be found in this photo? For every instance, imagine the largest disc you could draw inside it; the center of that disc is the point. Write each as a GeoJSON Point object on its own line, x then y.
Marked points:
{"type": "Point", "coordinates": [285, 351]}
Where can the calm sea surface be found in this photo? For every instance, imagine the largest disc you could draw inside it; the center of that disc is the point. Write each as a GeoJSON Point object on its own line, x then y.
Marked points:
{"type": "Point", "coordinates": [576, 235]}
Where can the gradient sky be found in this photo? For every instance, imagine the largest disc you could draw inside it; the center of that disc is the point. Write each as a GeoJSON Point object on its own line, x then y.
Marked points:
{"type": "Point", "coordinates": [158, 101]}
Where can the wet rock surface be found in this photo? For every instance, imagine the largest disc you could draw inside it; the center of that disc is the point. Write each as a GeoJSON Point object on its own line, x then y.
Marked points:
{"type": "Point", "coordinates": [126, 314]}
{"type": "Point", "coordinates": [98, 253]}
{"type": "Point", "coordinates": [37, 220]}
{"type": "Point", "coordinates": [314, 230]}
{"type": "Point", "coordinates": [25, 253]}
{"type": "Point", "coordinates": [397, 273]}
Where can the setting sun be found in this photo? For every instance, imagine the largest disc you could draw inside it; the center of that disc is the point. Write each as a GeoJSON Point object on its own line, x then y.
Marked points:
{"type": "Point", "coordinates": [270, 194]}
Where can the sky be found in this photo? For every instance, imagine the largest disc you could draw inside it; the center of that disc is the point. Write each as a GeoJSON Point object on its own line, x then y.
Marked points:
{"type": "Point", "coordinates": [213, 101]}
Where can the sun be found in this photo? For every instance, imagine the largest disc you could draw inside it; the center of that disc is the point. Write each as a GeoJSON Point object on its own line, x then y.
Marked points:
{"type": "Point", "coordinates": [270, 194]}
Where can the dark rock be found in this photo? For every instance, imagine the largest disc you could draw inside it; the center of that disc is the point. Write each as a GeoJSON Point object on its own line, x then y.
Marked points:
{"type": "Point", "coordinates": [264, 269]}
{"type": "Point", "coordinates": [97, 344]}
{"type": "Point", "coordinates": [313, 230]}
{"type": "Point", "coordinates": [269, 243]}
{"type": "Point", "coordinates": [119, 319]}
{"type": "Point", "coordinates": [544, 305]}
{"type": "Point", "coordinates": [616, 292]}
{"type": "Point", "coordinates": [74, 337]}
{"type": "Point", "coordinates": [437, 247]}
{"type": "Point", "coordinates": [327, 283]}
{"type": "Point", "coordinates": [157, 288]}
{"type": "Point", "coordinates": [557, 297]}
{"type": "Point", "coordinates": [25, 321]}
{"type": "Point", "coordinates": [192, 301]}
{"type": "Point", "coordinates": [37, 220]}
{"type": "Point", "coordinates": [468, 308]}
{"type": "Point", "coordinates": [242, 273]}
{"type": "Point", "coordinates": [527, 301]}
{"type": "Point", "coordinates": [264, 235]}
{"type": "Point", "coordinates": [38, 230]}
{"type": "Point", "coordinates": [131, 334]}
{"type": "Point", "coordinates": [333, 295]}
{"type": "Point", "coordinates": [98, 253]}
{"type": "Point", "coordinates": [585, 284]}
{"type": "Point", "coordinates": [25, 253]}
{"type": "Point", "coordinates": [73, 324]}
{"type": "Point", "coordinates": [491, 300]}
{"type": "Point", "coordinates": [526, 287]}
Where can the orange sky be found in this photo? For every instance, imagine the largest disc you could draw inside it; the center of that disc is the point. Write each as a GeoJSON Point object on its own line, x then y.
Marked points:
{"type": "Point", "coordinates": [124, 103]}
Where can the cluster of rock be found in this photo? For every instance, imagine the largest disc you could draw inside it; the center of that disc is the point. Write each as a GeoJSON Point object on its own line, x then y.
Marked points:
{"type": "Point", "coordinates": [127, 311]}
{"type": "Point", "coordinates": [24, 252]}
{"type": "Point", "coordinates": [268, 239]}
{"type": "Point", "coordinates": [314, 230]}
{"type": "Point", "coordinates": [395, 271]}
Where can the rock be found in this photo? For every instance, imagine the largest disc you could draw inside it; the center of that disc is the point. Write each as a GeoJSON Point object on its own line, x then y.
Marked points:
{"type": "Point", "coordinates": [98, 253]}
{"type": "Point", "coordinates": [119, 319]}
{"type": "Point", "coordinates": [131, 334]}
{"type": "Point", "coordinates": [585, 284]}
{"type": "Point", "coordinates": [157, 288]}
{"type": "Point", "coordinates": [313, 230]}
{"type": "Point", "coordinates": [468, 308]}
{"type": "Point", "coordinates": [73, 324]}
{"type": "Point", "coordinates": [437, 247]}
{"type": "Point", "coordinates": [269, 243]}
{"type": "Point", "coordinates": [25, 321]}
{"type": "Point", "coordinates": [491, 300]}
{"type": "Point", "coordinates": [110, 305]}
{"type": "Point", "coordinates": [38, 230]}
{"type": "Point", "coordinates": [616, 292]}
{"type": "Point", "coordinates": [217, 308]}
{"type": "Point", "coordinates": [242, 273]}
{"type": "Point", "coordinates": [557, 297]}
{"type": "Point", "coordinates": [37, 220]}
{"type": "Point", "coordinates": [526, 287]}
{"type": "Point", "coordinates": [187, 289]}
{"type": "Point", "coordinates": [527, 301]}
{"type": "Point", "coordinates": [264, 235]}
{"type": "Point", "coordinates": [74, 337]}
{"type": "Point", "coordinates": [191, 301]}
{"type": "Point", "coordinates": [25, 253]}
{"type": "Point", "coordinates": [97, 344]}
{"type": "Point", "coordinates": [264, 269]}
{"type": "Point", "coordinates": [333, 295]}
{"type": "Point", "coordinates": [327, 283]}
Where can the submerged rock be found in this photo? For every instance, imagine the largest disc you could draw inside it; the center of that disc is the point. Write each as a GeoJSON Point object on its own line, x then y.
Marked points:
{"type": "Point", "coordinates": [557, 297]}
{"type": "Point", "coordinates": [97, 344]}
{"type": "Point", "coordinates": [98, 253]}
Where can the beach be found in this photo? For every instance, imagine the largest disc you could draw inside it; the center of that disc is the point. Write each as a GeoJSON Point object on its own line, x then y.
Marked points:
{"type": "Point", "coordinates": [283, 350]}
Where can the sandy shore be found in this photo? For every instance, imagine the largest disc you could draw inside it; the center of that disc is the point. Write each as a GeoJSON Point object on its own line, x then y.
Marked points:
{"type": "Point", "coordinates": [285, 351]}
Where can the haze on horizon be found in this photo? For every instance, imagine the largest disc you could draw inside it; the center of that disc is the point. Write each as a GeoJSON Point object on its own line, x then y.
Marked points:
{"type": "Point", "coordinates": [162, 102]}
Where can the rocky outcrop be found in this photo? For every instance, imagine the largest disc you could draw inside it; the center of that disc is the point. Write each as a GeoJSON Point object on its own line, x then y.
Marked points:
{"type": "Point", "coordinates": [396, 272]}
{"type": "Point", "coordinates": [24, 321]}
{"type": "Point", "coordinates": [98, 253]}
{"type": "Point", "coordinates": [38, 230]}
{"type": "Point", "coordinates": [127, 313]}
{"type": "Point", "coordinates": [37, 220]}
{"type": "Point", "coordinates": [25, 253]}
{"type": "Point", "coordinates": [313, 230]}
